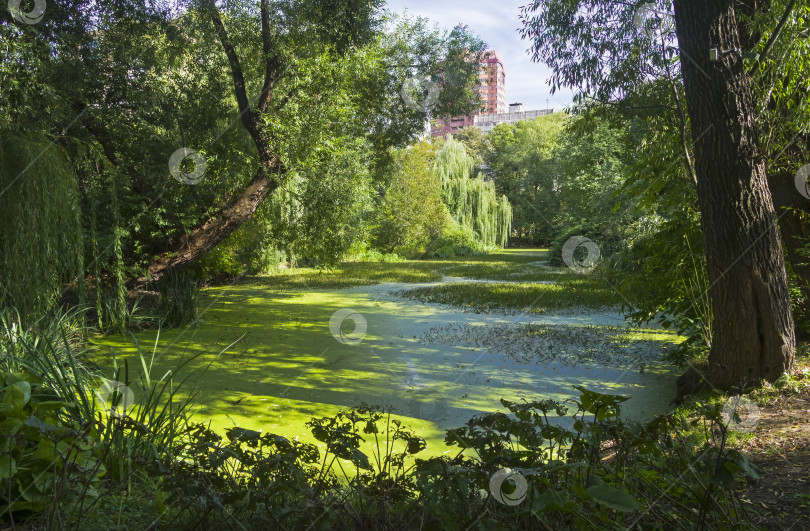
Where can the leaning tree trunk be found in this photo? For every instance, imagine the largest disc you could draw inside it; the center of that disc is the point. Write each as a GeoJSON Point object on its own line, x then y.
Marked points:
{"type": "Point", "coordinates": [218, 228]}
{"type": "Point", "coordinates": [271, 170]}
{"type": "Point", "coordinates": [753, 326]}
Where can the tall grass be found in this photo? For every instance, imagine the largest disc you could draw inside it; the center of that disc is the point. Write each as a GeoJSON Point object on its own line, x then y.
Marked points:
{"type": "Point", "coordinates": [135, 436]}
{"type": "Point", "coordinates": [697, 287]}
{"type": "Point", "coordinates": [177, 301]}
{"type": "Point", "coordinates": [50, 349]}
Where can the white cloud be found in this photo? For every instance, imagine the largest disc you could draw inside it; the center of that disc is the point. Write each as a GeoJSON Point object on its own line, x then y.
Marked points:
{"type": "Point", "coordinates": [497, 25]}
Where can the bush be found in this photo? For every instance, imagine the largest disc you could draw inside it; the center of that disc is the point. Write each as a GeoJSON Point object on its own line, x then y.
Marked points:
{"type": "Point", "coordinates": [410, 214]}
{"type": "Point", "coordinates": [46, 459]}
{"type": "Point", "coordinates": [609, 239]}
{"type": "Point", "coordinates": [455, 240]}
{"type": "Point", "coordinates": [362, 252]}
{"type": "Point", "coordinates": [663, 273]}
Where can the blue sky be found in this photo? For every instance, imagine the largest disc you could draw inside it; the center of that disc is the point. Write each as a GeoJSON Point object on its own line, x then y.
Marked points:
{"type": "Point", "coordinates": [496, 23]}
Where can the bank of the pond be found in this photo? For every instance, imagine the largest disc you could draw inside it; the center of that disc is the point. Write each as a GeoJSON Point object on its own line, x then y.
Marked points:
{"type": "Point", "coordinates": [435, 364]}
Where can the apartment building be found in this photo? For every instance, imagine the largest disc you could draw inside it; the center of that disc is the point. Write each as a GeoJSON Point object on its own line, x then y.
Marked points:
{"type": "Point", "coordinates": [491, 89]}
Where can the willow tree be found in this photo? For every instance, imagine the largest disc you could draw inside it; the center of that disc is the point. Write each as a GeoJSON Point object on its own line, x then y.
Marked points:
{"type": "Point", "coordinates": [40, 227]}
{"type": "Point", "coordinates": [265, 91]}
{"type": "Point", "coordinates": [472, 202]}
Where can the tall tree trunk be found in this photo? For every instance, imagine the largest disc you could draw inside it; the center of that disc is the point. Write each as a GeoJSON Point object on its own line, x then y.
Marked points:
{"type": "Point", "coordinates": [795, 232]}
{"type": "Point", "coordinates": [753, 325]}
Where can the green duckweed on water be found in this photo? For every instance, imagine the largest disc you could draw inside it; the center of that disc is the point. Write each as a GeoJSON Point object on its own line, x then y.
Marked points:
{"type": "Point", "coordinates": [266, 358]}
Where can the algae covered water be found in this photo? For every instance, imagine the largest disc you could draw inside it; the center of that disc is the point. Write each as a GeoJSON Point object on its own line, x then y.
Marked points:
{"type": "Point", "coordinates": [312, 351]}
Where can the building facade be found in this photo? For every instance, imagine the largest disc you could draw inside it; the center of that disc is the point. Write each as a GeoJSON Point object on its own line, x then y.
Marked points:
{"type": "Point", "coordinates": [492, 83]}
{"type": "Point", "coordinates": [491, 90]}
{"type": "Point", "coordinates": [487, 122]}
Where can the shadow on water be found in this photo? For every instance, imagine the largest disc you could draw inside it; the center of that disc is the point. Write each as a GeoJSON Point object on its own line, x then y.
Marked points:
{"type": "Point", "coordinates": [288, 366]}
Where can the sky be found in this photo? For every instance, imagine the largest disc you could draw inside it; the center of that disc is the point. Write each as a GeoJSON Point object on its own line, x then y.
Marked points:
{"type": "Point", "coordinates": [496, 23]}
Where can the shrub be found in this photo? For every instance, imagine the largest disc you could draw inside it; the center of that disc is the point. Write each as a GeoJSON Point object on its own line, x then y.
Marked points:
{"type": "Point", "coordinates": [410, 214]}
{"type": "Point", "coordinates": [455, 240]}
{"type": "Point", "coordinates": [609, 239]}
{"type": "Point", "coordinates": [45, 458]}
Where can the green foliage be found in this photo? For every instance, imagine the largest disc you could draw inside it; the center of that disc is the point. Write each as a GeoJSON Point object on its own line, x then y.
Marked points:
{"type": "Point", "coordinates": [134, 433]}
{"type": "Point", "coordinates": [524, 163]}
{"type": "Point", "coordinates": [362, 252]}
{"type": "Point", "coordinates": [411, 214]}
{"type": "Point", "coordinates": [40, 236]}
{"type": "Point", "coordinates": [472, 201]}
{"type": "Point", "coordinates": [602, 472]}
{"type": "Point", "coordinates": [46, 460]}
{"type": "Point", "coordinates": [583, 467]}
{"type": "Point", "coordinates": [433, 207]}
{"type": "Point", "coordinates": [456, 240]}
{"type": "Point", "coordinates": [421, 51]}
{"type": "Point", "coordinates": [151, 79]}
{"type": "Point", "coordinates": [114, 314]}
{"type": "Point", "coordinates": [779, 84]}
{"type": "Point", "coordinates": [476, 142]}
{"type": "Point", "coordinates": [665, 272]}
{"type": "Point", "coordinates": [627, 71]}
{"type": "Point", "coordinates": [597, 46]}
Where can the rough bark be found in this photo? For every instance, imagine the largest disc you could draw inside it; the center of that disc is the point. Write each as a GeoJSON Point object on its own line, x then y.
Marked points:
{"type": "Point", "coordinates": [753, 325]}
{"type": "Point", "coordinates": [790, 205]}
{"type": "Point", "coordinates": [267, 177]}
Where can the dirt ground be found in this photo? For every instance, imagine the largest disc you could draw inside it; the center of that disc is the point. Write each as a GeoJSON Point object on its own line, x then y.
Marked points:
{"type": "Point", "coordinates": [781, 448]}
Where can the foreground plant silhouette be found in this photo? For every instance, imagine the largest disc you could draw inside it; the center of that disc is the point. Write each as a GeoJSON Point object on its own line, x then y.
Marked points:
{"type": "Point", "coordinates": [585, 469]}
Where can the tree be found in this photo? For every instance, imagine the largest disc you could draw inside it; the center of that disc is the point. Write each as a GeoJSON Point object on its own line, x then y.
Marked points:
{"type": "Point", "coordinates": [279, 97]}
{"type": "Point", "coordinates": [411, 213]}
{"type": "Point", "coordinates": [753, 324]}
{"type": "Point", "coordinates": [476, 142]}
{"type": "Point", "coordinates": [472, 201]}
{"type": "Point", "coordinates": [270, 174]}
{"type": "Point", "coordinates": [40, 233]}
{"type": "Point", "coordinates": [753, 328]}
{"type": "Point", "coordinates": [523, 165]}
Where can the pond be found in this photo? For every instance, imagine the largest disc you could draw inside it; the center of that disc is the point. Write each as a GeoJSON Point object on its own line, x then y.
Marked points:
{"type": "Point", "coordinates": [272, 358]}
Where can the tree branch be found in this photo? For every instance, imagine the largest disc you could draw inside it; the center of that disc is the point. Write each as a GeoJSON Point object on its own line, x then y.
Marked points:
{"type": "Point", "coordinates": [245, 112]}
{"type": "Point", "coordinates": [272, 64]}
{"type": "Point", "coordinates": [774, 36]}
{"type": "Point", "coordinates": [265, 181]}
